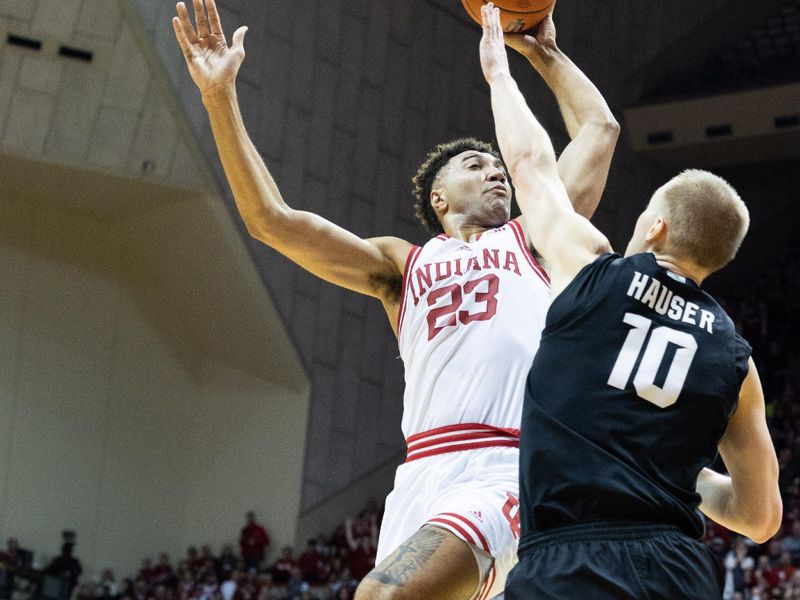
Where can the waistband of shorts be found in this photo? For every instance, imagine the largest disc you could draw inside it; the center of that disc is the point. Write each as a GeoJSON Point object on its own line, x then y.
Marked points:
{"type": "Point", "coordinates": [458, 438]}
{"type": "Point", "coordinates": [611, 531]}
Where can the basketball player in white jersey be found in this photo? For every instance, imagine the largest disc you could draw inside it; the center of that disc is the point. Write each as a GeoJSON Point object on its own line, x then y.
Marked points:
{"type": "Point", "coordinates": [466, 307]}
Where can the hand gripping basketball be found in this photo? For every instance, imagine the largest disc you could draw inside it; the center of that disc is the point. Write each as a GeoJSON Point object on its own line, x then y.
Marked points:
{"type": "Point", "coordinates": [515, 15]}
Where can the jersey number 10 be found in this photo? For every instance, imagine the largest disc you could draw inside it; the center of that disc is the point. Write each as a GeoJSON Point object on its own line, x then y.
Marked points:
{"type": "Point", "coordinates": [644, 379]}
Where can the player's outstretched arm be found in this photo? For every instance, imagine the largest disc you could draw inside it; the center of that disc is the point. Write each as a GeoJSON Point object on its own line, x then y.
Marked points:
{"type": "Point", "coordinates": [371, 267]}
{"type": "Point", "coordinates": [567, 240]}
{"type": "Point", "coordinates": [749, 501]}
{"type": "Point", "coordinates": [584, 163]}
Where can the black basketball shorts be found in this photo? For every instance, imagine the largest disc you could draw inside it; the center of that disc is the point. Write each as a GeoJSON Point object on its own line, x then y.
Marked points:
{"type": "Point", "coordinates": [614, 561]}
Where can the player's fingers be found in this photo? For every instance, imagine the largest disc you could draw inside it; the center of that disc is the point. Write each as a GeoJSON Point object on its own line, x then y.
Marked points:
{"type": "Point", "coordinates": [200, 18]}
{"type": "Point", "coordinates": [213, 17]}
{"type": "Point", "coordinates": [490, 16]}
{"type": "Point", "coordinates": [180, 35]}
{"type": "Point", "coordinates": [186, 23]}
{"type": "Point", "coordinates": [496, 26]}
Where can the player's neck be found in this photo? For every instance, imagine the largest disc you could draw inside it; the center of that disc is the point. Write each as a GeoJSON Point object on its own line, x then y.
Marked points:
{"type": "Point", "coordinates": [465, 231]}
{"type": "Point", "coordinates": [681, 267]}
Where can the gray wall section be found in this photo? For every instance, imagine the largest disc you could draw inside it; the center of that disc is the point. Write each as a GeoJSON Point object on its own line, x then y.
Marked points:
{"type": "Point", "coordinates": [343, 98]}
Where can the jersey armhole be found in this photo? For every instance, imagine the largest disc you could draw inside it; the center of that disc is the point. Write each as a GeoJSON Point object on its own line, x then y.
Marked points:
{"type": "Point", "coordinates": [516, 229]}
{"type": "Point", "coordinates": [410, 262]}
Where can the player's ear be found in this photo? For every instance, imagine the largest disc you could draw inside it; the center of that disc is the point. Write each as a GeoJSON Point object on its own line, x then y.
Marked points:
{"type": "Point", "coordinates": [657, 231]}
{"type": "Point", "coordinates": [438, 201]}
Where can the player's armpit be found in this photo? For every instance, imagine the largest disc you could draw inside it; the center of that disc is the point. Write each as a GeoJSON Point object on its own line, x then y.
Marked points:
{"type": "Point", "coordinates": [754, 505]}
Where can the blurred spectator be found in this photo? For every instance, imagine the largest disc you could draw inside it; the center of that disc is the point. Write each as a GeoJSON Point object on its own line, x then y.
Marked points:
{"type": "Point", "coordinates": [67, 568]}
{"type": "Point", "coordinates": [206, 560]}
{"type": "Point", "coordinates": [312, 563]}
{"type": "Point", "coordinates": [229, 586]}
{"type": "Point", "coordinates": [194, 561]}
{"type": "Point", "coordinates": [11, 556]}
{"type": "Point", "coordinates": [281, 569]}
{"type": "Point", "coordinates": [107, 586]}
{"type": "Point", "coordinates": [791, 543]}
{"type": "Point", "coordinates": [226, 563]}
{"type": "Point", "coordinates": [296, 588]}
{"type": "Point", "coordinates": [253, 542]}
{"type": "Point", "coordinates": [363, 547]}
{"type": "Point", "coordinates": [737, 564]}
{"type": "Point", "coordinates": [163, 573]}
{"type": "Point", "coordinates": [146, 571]}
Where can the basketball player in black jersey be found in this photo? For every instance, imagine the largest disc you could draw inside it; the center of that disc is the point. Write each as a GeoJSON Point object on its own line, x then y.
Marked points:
{"type": "Point", "coordinates": [639, 380]}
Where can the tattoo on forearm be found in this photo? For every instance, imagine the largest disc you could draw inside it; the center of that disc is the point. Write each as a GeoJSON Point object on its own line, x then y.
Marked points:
{"type": "Point", "coordinates": [401, 564]}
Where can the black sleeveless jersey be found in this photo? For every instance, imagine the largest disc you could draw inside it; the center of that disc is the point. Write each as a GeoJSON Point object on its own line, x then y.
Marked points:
{"type": "Point", "coordinates": [635, 379]}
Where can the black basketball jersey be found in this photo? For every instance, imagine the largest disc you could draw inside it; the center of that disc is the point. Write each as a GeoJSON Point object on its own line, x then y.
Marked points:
{"type": "Point", "coordinates": [635, 379]}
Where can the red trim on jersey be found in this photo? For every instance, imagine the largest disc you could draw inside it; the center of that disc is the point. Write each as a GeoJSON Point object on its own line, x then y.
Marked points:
{"type": "Point", "coordinates": [443, 236]}
{"type": "Point", "coordinates": [484, 544]}
{"type": "Point", "coordinates": [461, 427]}
{"type": "Point", "coordinates": [496, 443]}
{"type": "Point", "coordinates": [461, 437]}
{"type": "Point", "coordinates": [458, 438]}
{"type": "Point", "coordinates": [410, 261]}
{"type": "Point", "coordinates": [487, 585]}
{"type": "Point", "coordinates": [520, 235]}
{"type": "Point", "coordinates": [454, 527]}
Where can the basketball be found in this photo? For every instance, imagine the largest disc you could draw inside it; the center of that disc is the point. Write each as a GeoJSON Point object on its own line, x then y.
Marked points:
{"type": "Point", "coordinates": [515, 15]}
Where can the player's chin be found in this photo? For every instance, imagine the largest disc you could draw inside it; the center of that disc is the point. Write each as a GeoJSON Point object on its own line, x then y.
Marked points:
{"type": "Point", "coordinates": [499, 215]}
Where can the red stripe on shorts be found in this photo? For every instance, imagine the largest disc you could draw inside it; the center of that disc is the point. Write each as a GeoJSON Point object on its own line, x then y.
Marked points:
{"type": "Point", "coordinates": [458, 529]}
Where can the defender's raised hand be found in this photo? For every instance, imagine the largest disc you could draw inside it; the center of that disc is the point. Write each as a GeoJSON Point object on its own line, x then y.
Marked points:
{"type": "Point", "coordinates": [494, 60]}
{"type": "Point", "coordinates": [212, 63]}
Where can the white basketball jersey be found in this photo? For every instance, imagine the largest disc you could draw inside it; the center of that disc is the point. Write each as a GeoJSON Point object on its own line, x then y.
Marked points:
{"type": "Point", "coordinates": [470, 321]}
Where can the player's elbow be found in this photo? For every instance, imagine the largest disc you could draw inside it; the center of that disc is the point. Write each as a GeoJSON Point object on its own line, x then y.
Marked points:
{"type": "Point", "coordinates": [768, 521]}
{"type": "Point", "coordinates": [264, 227]}
{"type": "Point", "coordinates": [762, 517]}
{"type": "Point", "coordinates": [610, 127]}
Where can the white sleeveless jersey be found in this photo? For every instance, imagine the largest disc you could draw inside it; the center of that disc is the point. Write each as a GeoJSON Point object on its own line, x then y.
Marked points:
{"type": "Point", "coordinates": [470, 321]}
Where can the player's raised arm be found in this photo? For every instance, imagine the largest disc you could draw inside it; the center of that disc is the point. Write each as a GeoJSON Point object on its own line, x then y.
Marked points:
{"type": "Point", "coordinates": [584, 163]}
{"type": "Point", "coordinates": [566, 240]}
{"type": "Point", "coordinates": [326, 250]}
{"type": "Point", "coordinates": [749, 501]}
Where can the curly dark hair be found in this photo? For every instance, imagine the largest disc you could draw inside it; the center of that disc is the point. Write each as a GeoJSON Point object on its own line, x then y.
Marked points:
{"type": "Point", "coordinates": [430, 168]}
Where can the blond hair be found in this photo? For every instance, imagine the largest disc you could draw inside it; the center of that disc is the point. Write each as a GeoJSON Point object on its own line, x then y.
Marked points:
{"type": "Point", "coordinates": [706, 218]}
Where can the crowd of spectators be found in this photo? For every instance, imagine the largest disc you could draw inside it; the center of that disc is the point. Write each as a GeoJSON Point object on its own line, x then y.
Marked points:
{"type": "Point", "coordinates": [767, 313]}
{"type": "Point", "coordinates": [329, 568]}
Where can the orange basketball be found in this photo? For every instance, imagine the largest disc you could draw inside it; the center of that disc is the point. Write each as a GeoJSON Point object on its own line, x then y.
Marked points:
{"type": "Point", "coordinates": [515, 15]}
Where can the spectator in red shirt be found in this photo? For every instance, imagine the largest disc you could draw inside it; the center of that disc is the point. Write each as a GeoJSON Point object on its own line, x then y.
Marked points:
{"type": "Point", "coordinates": [254, 542]}
{"type": "Point", "coordinates": [362, 548]}
{"type": "Point", "coordinates": [780, 575]}
{"type": "Point", "coordinates": [311, 563]}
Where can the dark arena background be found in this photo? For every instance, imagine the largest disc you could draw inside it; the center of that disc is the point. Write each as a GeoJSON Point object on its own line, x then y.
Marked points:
{"type": "Point", "coordinates": [162, 373]}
